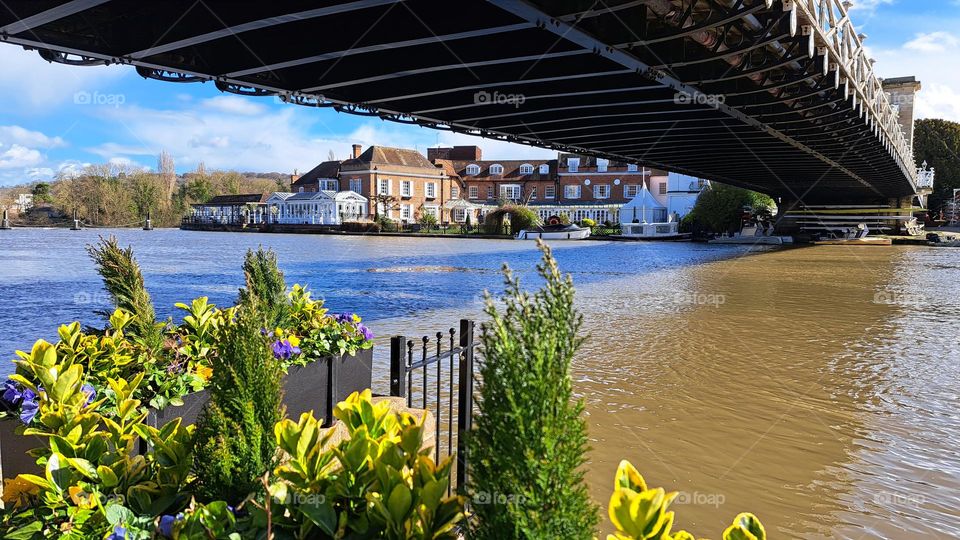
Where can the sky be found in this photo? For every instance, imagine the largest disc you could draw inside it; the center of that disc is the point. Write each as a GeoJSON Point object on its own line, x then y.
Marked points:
{"type": "Point", "coordinates": [56, 118]}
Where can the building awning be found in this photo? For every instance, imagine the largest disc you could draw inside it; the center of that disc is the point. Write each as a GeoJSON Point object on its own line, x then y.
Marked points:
{"type": "Point", "coordinates": [459, 204]}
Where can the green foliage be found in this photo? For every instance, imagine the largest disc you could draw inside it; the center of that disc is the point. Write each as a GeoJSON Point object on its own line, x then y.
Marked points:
{"type": "Point", "coordinates": [427, 220]}
{"type": "Point", "coordinates": [41, 193]}
{"type": "Point", "coordinates": [521, 217]}
{"type": "Point", "coordinates": [528, 448]}
{"type": "Point", "coordinates": [719, 207]}
{"type": "Point", "coordinates": [265, 286]}
{"type": "Point", "coordinates": [124, 282]}
{"type": "Point", "coordinates": [234, 442]}
{"type": "Point", "coordinates": [938, 143]}
{"type": "Point", "coordinates": [378, 483]}
{"type": "Point", "coordinates": [587, 222]}
{"type": "Point", "coordinates": [640, 513]}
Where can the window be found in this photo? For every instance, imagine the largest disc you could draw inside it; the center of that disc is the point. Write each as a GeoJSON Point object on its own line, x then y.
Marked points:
{"type": "Point", "coordinates": [602, 165]}
{"type": "Point", "coordinates": [573, 164]}
{"type": "Point", "coordinates": [526, 168]}
{"type": "Point", "coordinates": [405, 212]}
{"type": "Point", "coordinates": [431, 190]}
{"type": "Point", "coordinates": [355, 185]}
{"type": "Point", "coordinates": [459, 215]}
{"type": "Point", "coordinates": [533, 193]}
{"type": "Point", "coordinates": [489, 192]}
{"type": "Point", "coordinates": [510, 191]}
{"type": "Point", "coordinates": [474, 192]}
{"type": "Point", "coordinates": [601, 191]}
{"type": "Point", "coordinates": [430, 211]}
{"type": "Point", "coordinates": [630, 190]}
{"type": "Point", "coordinates": [300, 190]}
{"type": "Point", "coordinates": [496, 168]}
{"type": "Point", "coordinates": [659, 215]}
{"type": "Point", "coordinates": [473, 170]}
{"type": "Point", "coordinates": [663, 188]}
{"type": "Point", "coordinates": [632, 167]}
{"type": "Point", "coordinates": [406, 188]}
{"type": "Point", "coordinates": [545, 168]}
{"type": "Point", "coordinates": [454, 192]}
{"type": "Point", "coordinates": [571, 192]}
{"type": "Point", "coordinates": [329, 185]}
{"type": "Point", "coordinates": [550, 192]}
{"type": "Point", "coordinates": [383, 186]}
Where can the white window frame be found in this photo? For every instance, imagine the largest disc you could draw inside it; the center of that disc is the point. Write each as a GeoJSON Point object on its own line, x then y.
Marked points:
{"type": "Point", "coordinates": [454, 192]}
{"type": "Point", "coordinates": [459, 215]}
{"type": "Point", "coordinates": [571, 191]}
{"type": "Point", "coordinates": [550, 192]}
{"type": "Point", "coordinates": [663, 188]}
{"type": "Point", "coordinates": [573, 164]}
{"type": "Point", "coordinates": [356, 185]}
{"type": "Point", "coordinates": [496, 169]}
{"type": "Point", "coordinates": [474, 192]}
{"type": "Point", "coordinates": [489, 192]}
{"type": "Point", "coordinates": [406, 212]}
{"type": "Point", "coordinates": [384, 182]}
{"type": "Point", "coordinates": [627, 188]}
{"type": "Point", "coordinates": [473, 169]}
{"type": "Point", "coordinates": [406, 188]}
{"type": "Point", "coordinates": [511, 191]}
{"type": "Point", "coordinates": [430, 190]}
{"type": "Point", "coordinates": [432, 210]}
{"type": "Point", "coordinates": [544, 168]}
{"type": "Point", "coordinates": [631, 167]}
{"type": "Point", "coordinates": [602, 164]}
{"type": "Point", "coordinates": [526, 168]}
{"type": "Point", "coordinates": [327, 182]}
{"type": "Point", "coordinates": [601, 191]}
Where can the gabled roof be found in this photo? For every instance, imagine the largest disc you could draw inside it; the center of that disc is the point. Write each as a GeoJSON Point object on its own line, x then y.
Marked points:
{"type": "Point", "coordinates": [310, 196]}
{"type": "Point", "coordinates": [281, 195]}
{"type": "Point", "coordinates": [234, 200]}
{"type": "Point", "coordinates": [387, 155]}
{"type": "Point", "coordinates": [327, 169]}
{"type": "Point", "coordinates": [511, 168]}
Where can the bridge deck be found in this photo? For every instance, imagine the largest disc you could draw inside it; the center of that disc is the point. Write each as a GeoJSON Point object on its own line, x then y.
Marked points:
{"type": "Point", "coordinates": [776, 97]}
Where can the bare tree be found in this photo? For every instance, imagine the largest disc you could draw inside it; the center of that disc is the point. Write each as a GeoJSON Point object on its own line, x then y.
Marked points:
{"type": "Point", "coordinates": [168, 173]}
{"type": "Point", "coordinates": [331, 156]}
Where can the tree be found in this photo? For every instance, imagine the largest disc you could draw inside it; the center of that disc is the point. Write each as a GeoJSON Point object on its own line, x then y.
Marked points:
{"type": "Point", "coordinates": [720, 207]}
{"type": "Point", "coordinates": [938, 143]}
{"type": "Point", "coordinates": [168, 173]}
{"type": "Point", "coordinates": [41, 193]}
{"type": "Point", "coordinates": [331, 156]}
{"type": "Point", "coordinates": [389, 203]}
{"type": "Point", "coordinates": [529, 444]}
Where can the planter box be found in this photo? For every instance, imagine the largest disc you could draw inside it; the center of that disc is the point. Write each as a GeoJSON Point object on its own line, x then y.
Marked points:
{"type": "Point", "coordinates": [316, 387]}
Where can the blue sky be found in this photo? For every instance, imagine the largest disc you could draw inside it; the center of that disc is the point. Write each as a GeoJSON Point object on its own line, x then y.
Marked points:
{"type": "Point", "coordinates": [56, 118]}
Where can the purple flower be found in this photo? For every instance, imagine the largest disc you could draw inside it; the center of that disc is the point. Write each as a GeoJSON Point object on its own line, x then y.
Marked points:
{"type": "Point", "coordinates": [11, 393]}
{"type": "Point", "coordinates": [119, 533]}
{"type": "Point", "coordinates": [283, 350]}
{"type": "Point", "coordinates": [29, 406]}
{"type": "Point", "coordinates": [343, 317]}
{"type": "Point", "coordinates": [367, 334]}
{"type": "Point", "coordinates": [167, 523]}
{"type": "Point", "coordinates": [264, 331]}
{"type": "Point", "coordinates": [90, 391]}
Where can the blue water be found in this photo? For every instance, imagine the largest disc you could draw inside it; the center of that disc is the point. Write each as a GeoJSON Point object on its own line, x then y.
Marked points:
{"type": "Point", "coordinates": [47, 278]}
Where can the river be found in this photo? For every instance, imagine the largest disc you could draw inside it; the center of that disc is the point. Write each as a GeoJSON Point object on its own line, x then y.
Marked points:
{"type": "Point", "coordinates": [816, 387]}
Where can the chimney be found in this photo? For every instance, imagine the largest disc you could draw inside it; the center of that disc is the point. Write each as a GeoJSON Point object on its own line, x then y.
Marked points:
{"type": "Point", "coordinates": [293, 178]}
{"type": "Point", "coordinates": [356, 151]}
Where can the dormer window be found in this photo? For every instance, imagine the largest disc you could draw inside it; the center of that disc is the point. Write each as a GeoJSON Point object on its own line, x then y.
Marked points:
{"type": "Point", "coordinates": [473, 170]}
{"type": "Point", "coordinates": [496, 168]}
{"type": "Point", "coordinates": [545, 168]}
{"type": "Point", "coordinates": [602, 165]}
{"type": "Point", "coordinates": [632, 167]}
{"type": "Point", "coordinates": [526, 168]}
{"type": "Point", "coordinates": [573, 164]}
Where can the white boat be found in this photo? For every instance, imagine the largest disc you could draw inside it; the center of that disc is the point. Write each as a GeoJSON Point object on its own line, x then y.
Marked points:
{"type": "Point", "coordinates": [754, 235]}
{"type": "Point", "coordinates": [554, 232]}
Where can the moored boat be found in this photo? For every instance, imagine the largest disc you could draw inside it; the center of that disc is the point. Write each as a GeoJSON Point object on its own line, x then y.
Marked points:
{"type": "Point", "coordinates": [554, 232]}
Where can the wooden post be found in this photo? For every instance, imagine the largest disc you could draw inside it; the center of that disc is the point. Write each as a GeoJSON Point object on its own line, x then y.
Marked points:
{"type": "Point", "coordinates": [465, 402]}
{"type": "Point", "coordinates": [398, 366]}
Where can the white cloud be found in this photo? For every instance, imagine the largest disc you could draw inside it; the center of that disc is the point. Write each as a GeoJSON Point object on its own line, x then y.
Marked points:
{"type": "Point", "coordinates": [17, 157]}
{"type": "Point", "coordinates": [869, 5]}
{"type": "Point", "coordinates": [26, 137]}
{"type": "Point", "coordinates": [928, 56]}
{"type": "Point", "coordinates": [32, 85]}
{"type": "Point", "coordinates": [234, 105]}
{"type": "Point", "coordinates": [934, 42]}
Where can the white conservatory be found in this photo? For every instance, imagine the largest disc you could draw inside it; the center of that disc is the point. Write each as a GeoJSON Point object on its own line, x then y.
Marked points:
{"type": "Point", "coordinates": [645, 217]}
{"type": "Point", "coordinates": [316, 207]}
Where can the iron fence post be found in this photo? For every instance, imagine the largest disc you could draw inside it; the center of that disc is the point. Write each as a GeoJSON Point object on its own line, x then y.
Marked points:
{"type": "Point", "coordinates": [398, 366]}
{"type": "Point", "coordinates": [465, 405]}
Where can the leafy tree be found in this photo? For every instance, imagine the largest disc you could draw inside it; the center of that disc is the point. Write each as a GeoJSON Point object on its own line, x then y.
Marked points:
{"type": "Point", "coordinates": [389, 203]}
{"type": "Point", "coordinates": [41, 193]}
{"type": "Point", "coordinates": [427, 220]}
{"type": "Point", "coordinates": [521, 217]}
{"type": "Point", "coordinates": [719, 208]}
{"type": "Point", "coordinates": [528, 449]}
{"type": "Point", "coordinates": [938, 143]}
{"type": "Point", "coordinates": [234, 444]}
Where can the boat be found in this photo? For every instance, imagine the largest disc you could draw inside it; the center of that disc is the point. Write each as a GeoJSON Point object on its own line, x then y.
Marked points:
{"type": "Point", "coordinates": [554, 232]}
{"type": "Point", "coordinates": [754, 235]}
{"type": "Point", "coordinates": [935, 240]}
{"type": "Point", "coordinates": [855, 237]}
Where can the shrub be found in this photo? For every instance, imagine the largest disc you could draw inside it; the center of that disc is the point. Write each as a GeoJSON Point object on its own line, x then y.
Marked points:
{"type": "Point", "coordinates": [587, 222]}
{"type": "Point", "coordinates": [719, 208]}
{"type": "Point", "coordinates": [265, 287]}
{"type": "Point", "coordinates": [387, 224]}
{"type": "Point", "coordinates": [234, 445]}
{"type": "Point", "coordinates": [427, 221]}
{"type": "Point", "coordinates": [521, 218]}
{"type": "Point", "coordinates": [640, 513]}
{"type": "Point", "coordinates": [528, 448]}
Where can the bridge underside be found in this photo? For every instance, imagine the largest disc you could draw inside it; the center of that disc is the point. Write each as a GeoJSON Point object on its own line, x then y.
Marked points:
{"type": "Point", "coordinates": [736, 91]}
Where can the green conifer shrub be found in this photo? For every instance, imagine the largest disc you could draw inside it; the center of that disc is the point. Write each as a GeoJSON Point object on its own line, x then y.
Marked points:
{"type": "Point", "coordinates": [528, 448]}
{"type": "Point", "coordinates": [265, 284]}
{"type": "Point", "coordinates": [234, 443]}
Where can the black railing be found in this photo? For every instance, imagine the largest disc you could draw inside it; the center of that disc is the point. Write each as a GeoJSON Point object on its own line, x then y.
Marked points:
{"type": "Point", "coordinates": [450, 397]}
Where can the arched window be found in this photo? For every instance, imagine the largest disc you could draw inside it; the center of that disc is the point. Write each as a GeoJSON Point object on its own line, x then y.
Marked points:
{"type": "Point", "coordinates": [496, 168]}
{"type": "Point", "coordinates": [545, 168]}
{"type": "Point", "coordinates": [473, 170]}
{"type": "Point", "coordinates": [526, 168]}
